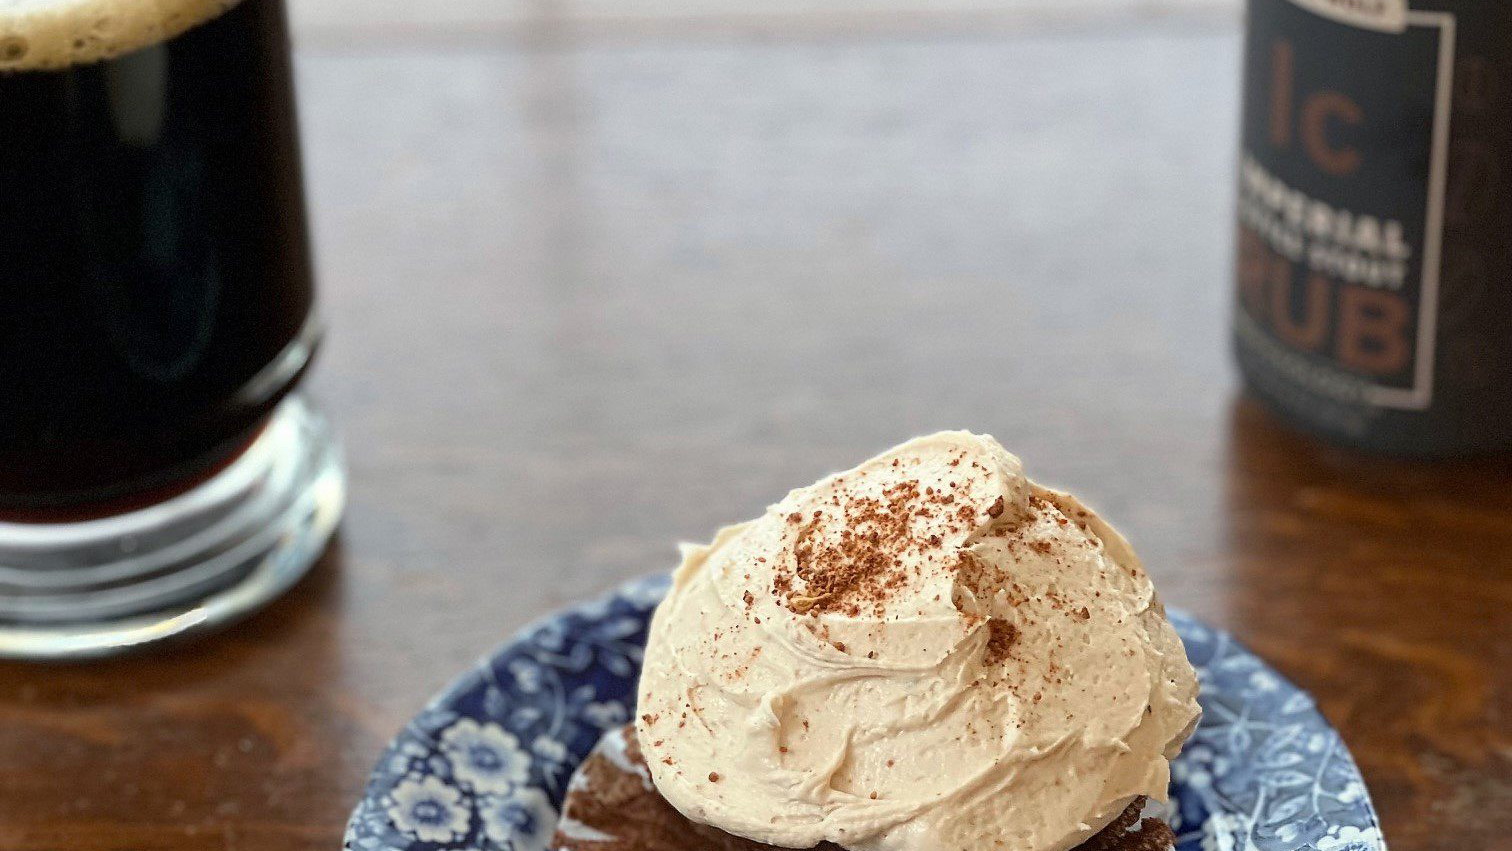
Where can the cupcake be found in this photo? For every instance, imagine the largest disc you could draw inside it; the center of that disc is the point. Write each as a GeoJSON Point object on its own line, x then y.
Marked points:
{"type": "Point", "coordinates": [928, 652]}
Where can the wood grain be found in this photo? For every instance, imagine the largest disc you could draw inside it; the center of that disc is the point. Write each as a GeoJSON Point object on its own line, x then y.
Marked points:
{"type": "Point", "coordinates": [589, 298]}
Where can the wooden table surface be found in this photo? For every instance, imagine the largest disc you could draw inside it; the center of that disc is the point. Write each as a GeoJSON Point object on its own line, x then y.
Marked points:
{"type": "Point", "coordinates": [593, 292]}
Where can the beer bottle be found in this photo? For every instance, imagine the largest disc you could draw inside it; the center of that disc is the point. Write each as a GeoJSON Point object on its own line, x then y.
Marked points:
{"type": "Point", "coordinates": [1374, 245]}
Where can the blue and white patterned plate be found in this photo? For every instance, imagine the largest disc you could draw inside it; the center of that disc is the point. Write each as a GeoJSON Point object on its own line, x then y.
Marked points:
{"type": "Point", "coordinates": [484, 767]}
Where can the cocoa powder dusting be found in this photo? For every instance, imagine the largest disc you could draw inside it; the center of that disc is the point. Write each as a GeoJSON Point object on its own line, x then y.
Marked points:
{"type": "Point", "coordinates": [850, 558]}
{"type": "Point", "coordinates": [1000, 638]}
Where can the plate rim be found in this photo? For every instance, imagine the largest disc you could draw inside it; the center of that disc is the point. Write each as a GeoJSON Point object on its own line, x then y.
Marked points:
{"type": "Point", "coordinates": [644, 592]}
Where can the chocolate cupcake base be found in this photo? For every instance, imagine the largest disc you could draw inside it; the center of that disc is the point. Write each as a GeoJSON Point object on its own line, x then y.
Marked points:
{"type": "Point", "coordinates": [612, 806]}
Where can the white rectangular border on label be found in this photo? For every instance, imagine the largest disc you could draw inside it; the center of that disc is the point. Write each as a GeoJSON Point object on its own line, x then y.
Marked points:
{"type": "Point", "coordinates": [1420, 395]}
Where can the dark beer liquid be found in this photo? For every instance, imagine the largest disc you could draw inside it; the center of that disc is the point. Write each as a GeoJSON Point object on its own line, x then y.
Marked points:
{"type": "Point", "coordinates": [156, 286]}
{"type": "Point", "coordinates": [1374, 302]}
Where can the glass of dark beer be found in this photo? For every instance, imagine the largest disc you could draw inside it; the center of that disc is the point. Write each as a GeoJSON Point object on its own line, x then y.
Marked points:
{"type": "Point", "coordinates": [156, 474]}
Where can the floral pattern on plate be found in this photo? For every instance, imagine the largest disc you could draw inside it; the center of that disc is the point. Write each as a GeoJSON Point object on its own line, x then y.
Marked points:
{"type": "Point", "coordinates": [486, 764]}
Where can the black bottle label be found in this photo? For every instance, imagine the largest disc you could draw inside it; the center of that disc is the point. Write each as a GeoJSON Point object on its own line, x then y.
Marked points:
{"type": "Point", "coordinates": [1346, 124]}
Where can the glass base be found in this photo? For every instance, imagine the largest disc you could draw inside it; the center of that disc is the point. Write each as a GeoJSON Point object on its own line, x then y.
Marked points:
{"type": "Point", "coordinates": [200, 559]}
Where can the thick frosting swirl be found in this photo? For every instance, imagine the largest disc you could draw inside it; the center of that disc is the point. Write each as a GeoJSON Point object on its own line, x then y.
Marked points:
{"type": "Point", "coordinates": [926, 653]}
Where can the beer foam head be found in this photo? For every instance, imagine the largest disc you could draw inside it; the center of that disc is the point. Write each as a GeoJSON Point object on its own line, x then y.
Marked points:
{"type": "Point", "coordinates": [46, 34]}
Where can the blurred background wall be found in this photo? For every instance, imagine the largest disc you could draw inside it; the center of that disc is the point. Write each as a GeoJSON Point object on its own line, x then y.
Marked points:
{"type": "Point", "coordinates": [341, 19]}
